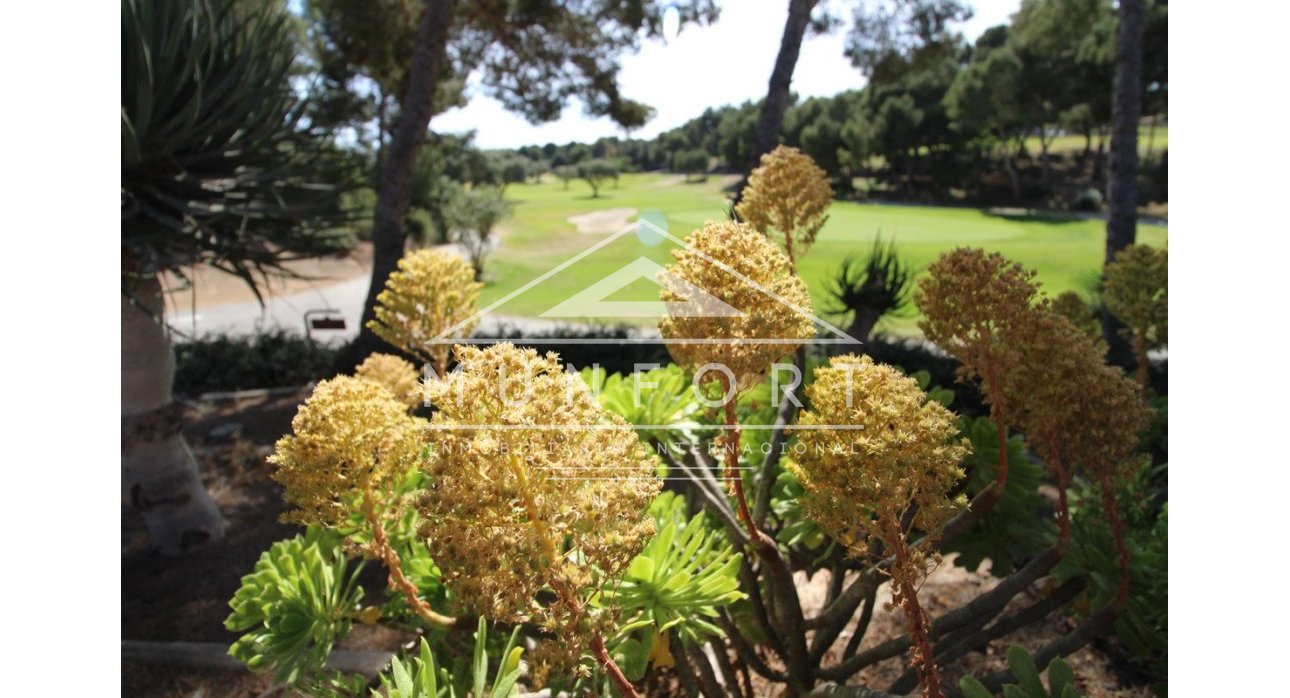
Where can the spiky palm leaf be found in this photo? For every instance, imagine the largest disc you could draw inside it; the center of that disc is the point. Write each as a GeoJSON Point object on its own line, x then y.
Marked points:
{"type": "Point", "coordinates": [882, 283]}
{"type": "Point", "coordinates": [216, 165]}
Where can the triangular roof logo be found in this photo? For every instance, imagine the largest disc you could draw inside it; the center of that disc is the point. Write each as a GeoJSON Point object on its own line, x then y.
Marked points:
{"type": "Point", "coordinates": [697, 303]}
{"type": "Point", "coordinates": [590, 302]}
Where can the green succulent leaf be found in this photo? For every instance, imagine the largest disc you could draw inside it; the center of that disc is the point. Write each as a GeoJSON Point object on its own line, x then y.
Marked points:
{"type": "Point", "coordinates": [675, 585]}
{"type": "Point", "coordinates": [972, 688]}
{"type": "Point", "coordinates": [662, 397]}
{"type": "Point", "coordinates": [1060, 677]}
{"type": "Point", "coordinates": [295, 606]}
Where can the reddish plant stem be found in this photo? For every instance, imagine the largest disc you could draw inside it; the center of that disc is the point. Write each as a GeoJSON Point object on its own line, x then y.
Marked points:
{"type": "Point", "coordinates": [1113, 517]}
{"type": "Point", "coordinates": [788, 609]}
{"type": "Point", "coordinates": [734, 435]}
{"type": "Point", "coordinates": [615, 674]}
{"type": "Point", "coordinates": [1063, 483]}
{"type": "Point", "coordinates": [390, 558]}
{"type": "Point", "coordinates": [919, 635]}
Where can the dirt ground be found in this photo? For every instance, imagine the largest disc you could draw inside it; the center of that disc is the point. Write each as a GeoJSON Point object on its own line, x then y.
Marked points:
{"type": "Point", "coordinates": [206, 286]}
{"type": "Point", "coordinates": [949, 587]}
{"type": "Point", "coordinates": [186, 598]}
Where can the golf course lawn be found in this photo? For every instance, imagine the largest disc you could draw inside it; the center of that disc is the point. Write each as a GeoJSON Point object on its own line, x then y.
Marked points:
{"type": "Point", "coordinates": [539, 237]}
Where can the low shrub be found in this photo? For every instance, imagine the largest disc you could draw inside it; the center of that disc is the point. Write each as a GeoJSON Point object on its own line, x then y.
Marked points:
{"type": "Point", "coordinates": [1087, 200]}
{"type": "Point", "coordinates": [275, 359]}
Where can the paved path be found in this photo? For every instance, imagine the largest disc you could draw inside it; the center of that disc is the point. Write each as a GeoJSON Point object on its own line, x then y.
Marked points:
{"type": "Point", "coordinates": [287, 312]}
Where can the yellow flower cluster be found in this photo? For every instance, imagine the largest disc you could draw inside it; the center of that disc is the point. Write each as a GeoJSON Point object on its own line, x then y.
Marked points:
{"type": "Point", "coordinates": [532, 485]}
{"type": "Point", "coordinates": [432, 292]}
{"type": "Point", "coordinates": [1137, 291]}
{"type": "Point", "coordinates": [899, 449]}
{"type": "Point", "coordinates": [350, 438]}
{"type": "Point", "coordinates": [788, 198]}
{"type": "Point", "coordinates": [394, 374]}
{"type": "Point", "coordinates": [734, 264]}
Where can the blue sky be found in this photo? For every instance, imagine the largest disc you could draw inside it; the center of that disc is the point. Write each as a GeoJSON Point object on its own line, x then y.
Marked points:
{"type": "Point", "coordinates": [726, 63]}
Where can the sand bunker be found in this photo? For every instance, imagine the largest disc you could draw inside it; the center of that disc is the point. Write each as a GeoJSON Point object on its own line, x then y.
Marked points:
{"type": "Point", "coordinates": [610, 220]}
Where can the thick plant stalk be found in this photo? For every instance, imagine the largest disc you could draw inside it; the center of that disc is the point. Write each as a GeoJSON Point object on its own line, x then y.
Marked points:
{"type": "Point", "coordinates": [611, 669]}
{"type": "Point", "coordinates": [1101, 619]}
{"type": "Point", "coordinates": [916, 617]}
{"type": "Point", "coordinates": [787, 410]}
{"type": "Point", "coordinates": [951, 648]}
{"type": "Point", "coordinates": [390, 558]}
{"type": "Point", "coordinates": [735, 479]}
{"type": "Point", "coordinates": [980, 609]}
{"type": "Point", "coordinates": [158, 472]}
{"type": "Point", "coordinates": [1113, 517]}
{"type": "Point", "coordinates": [787, 605]}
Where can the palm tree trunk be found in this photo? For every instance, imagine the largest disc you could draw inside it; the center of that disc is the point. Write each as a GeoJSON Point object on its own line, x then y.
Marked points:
{"type": "Point", "coordinates": [862, 323]}
{"type": "Point", "coordinates": [394, 186]}
{"type": "Point", "coordinates": [1122, 185]}
{"type": "Point", "coordinates": [158, 472]}
{"type": "Point", "coordinates": [771, 118]}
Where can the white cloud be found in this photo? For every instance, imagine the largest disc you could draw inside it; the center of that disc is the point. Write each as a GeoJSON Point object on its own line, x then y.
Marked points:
{"type": "Point", "coordinates": [725, 63]}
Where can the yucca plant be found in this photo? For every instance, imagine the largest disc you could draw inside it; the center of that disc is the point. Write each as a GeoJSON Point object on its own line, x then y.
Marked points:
{"type": "Point", "coordinates": [867, 291]}
{"type": "Point", "coordinates": [216, 168]}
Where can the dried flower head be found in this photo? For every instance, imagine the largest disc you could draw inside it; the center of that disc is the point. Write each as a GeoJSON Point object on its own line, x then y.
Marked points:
{"type": "Point", "coordinates": [1077, 412]}
{"type": "Point", "coordinates": [1137, 291]}
{"type": "Point", "coordinates": [350, 437]}
{"type": "Point", "coordinates": [899, 448]}
{"type": "Point", "coordinates": [1059, 361]}
{"type": "Point", "coordinates": [901, 455]}
{"type": "Point", "coordinates": [969, 300]}
{"type": "Point", "coordinates": [512, 510]}
{"type": "Point", "coordinates": [733, 264]}
{"type": "Point", "coordinates": [394, 374]}
{"type": "Point", "coordinates": [431, 293]}
{"type": "Point", "coordinates": [787, 198]}
{"type": "Point", "coordinates": [1071, 306]}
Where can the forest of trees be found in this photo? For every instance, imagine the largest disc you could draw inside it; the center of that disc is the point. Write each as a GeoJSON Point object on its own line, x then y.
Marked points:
{"type": "Point", "coordinates": [950, 121]}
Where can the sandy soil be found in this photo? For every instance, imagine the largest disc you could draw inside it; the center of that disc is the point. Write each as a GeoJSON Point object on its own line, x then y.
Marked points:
{"type": "Point", "coordinates": [207, 286]}
{"type": "Point", "coordinates": [610, 220]}
{"type": "Point", "coordinates": [948, 587]}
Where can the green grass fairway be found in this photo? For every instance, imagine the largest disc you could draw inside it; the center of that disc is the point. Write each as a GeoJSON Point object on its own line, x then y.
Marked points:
{"type": "Point", "coordinates": [1158, 142]}
{"type": "Point", "coordinates": [539, 237]}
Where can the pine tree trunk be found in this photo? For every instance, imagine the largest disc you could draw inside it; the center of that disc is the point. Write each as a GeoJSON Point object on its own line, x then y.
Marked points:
{"type": "Point", "coordinates": [1099, 163]}
{"type": "Point", "coordinates": [1045, 167]}
{"type": "Point", "coordinates": [1122, 185]}
{"type": "Point", "coordinates": [158, 472]}
{"type": "Point", "coordinates": [1011, 169]}
{"type": "Point", "coordinates": [394, 186]}
{"type": "Point", "coordinates": [771, 118]}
